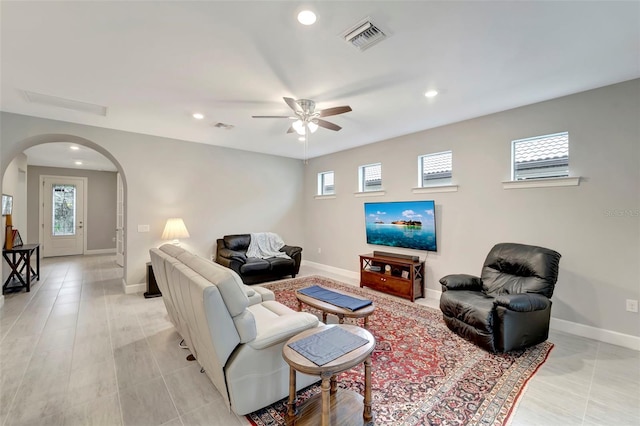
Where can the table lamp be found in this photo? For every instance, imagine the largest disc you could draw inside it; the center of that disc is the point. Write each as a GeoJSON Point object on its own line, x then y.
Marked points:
{"type": "Point", "coordinates": [174, 230]}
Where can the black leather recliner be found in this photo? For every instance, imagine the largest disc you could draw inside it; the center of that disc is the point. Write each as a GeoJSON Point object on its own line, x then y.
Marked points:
{"type": "Point", "coordinates": [509, 306]}
{"type": "Point", "coordinates": [231, 251]}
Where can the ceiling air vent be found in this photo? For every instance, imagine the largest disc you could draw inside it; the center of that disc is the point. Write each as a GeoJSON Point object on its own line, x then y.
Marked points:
{"type": "Point", "coordinates": [364, 35]}
{"type": "Point", "coordinates": [224, 126]}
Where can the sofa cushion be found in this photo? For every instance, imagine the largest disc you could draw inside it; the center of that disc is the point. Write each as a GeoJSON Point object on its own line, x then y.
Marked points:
{"type": "Point", "coordinates": [255, 266]}
{"type": "Point", "coordinates": [280, 265]}
{"type": "Point", "coordinates": [225, 279]}
{"type": "Point", "coordinates": [237, 242]}
{"type": "Point", "coordinates": [276, 323]}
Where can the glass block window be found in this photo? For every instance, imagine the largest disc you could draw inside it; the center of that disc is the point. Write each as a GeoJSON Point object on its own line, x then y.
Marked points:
{"type": "Point", "coordinates": [64, 210]}
{"type": "Point", "coordinates": [325, 183]}
{"type": "Point", "coordinates": [370, 177]}
{"type": "Point", "coordinates": [435, 167]}
{"type": "Point", "coordinates": [541, 157]}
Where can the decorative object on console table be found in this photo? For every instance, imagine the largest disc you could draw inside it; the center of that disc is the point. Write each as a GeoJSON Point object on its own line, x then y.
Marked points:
{"type": "Point", "coordinates": [152, 285]}
{"type": "Point", "coordinates": [16, 239]}
{"type": "Point", "coordinates": [8, 233]}
{"type": "Point", "coordinates": [404, 278]}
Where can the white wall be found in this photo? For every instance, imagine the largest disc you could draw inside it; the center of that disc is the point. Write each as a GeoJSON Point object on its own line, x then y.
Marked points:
{"type": "Point", "coordinates": [600, 267]}
{"type": "Point", "coordinates": [215, 190]}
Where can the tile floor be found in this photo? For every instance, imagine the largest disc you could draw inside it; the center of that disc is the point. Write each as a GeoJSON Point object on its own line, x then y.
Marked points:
{"type": "Point", "coordinates": [77, 351]}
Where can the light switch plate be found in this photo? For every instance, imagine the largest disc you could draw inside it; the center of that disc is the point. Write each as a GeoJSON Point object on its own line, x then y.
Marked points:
{"type": "Point", "coordinates": [143, 228]}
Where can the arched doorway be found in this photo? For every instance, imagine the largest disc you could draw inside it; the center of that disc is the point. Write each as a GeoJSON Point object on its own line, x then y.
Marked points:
{"type": "Point", "coordinates": [18, 148]}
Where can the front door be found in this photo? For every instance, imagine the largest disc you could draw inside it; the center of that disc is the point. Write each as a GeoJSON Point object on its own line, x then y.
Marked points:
{"type": "Point", "coordinates": [63, 216]}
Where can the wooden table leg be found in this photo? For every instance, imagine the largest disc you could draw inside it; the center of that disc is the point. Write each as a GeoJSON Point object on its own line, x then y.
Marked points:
{"type": "Point", "coordinates": [326, 401]}
{"type": "Point", "coordinates": [291, 410]}
{"type": "Point", "coordinates": [367, 414]}
{"type": "Point", "coordinates": [334, 383]}
{"type": "Point", "coordinates": [366, 322]}
{"type": "Point", "coordinates": [324, 317]}
{"type": "Point", "coordinates": [340, 319]}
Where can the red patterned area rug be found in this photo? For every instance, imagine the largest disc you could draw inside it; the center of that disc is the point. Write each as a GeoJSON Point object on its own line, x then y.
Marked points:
{"type": "Point", "coordinates": [423, 374]}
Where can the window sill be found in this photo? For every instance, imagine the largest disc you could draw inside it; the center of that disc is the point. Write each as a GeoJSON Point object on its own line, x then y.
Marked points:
{"type": "Point", "coordinates": [541, 183]}
{"type": "Point", "coordinates": [370, 194]}
{"type": "Point", "coordinates": [434, 189]}
{"type": "Point", "coordinates": [324, 197]}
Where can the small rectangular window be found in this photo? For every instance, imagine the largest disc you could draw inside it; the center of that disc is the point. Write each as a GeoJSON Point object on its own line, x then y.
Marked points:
{"type": "Point", "coordinates": [540, 157]}
{"type": "Point", "coordinates": [435, 168]}
{"type": "Point", "coordinates": [370, 177]}
{"type": "Point", "coordinates": [325, 183]}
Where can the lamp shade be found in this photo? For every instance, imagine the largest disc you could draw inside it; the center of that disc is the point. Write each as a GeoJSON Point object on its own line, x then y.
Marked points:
{"type": "Point", "coordinates": [175, 229]}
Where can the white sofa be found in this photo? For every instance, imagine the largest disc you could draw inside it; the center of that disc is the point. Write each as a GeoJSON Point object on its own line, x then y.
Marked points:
{"type": "Point", "coordinates": [235, 332]}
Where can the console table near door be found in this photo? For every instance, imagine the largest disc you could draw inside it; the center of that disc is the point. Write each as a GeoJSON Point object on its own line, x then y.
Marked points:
{"type": "Point", "coordinates": [19, 259]}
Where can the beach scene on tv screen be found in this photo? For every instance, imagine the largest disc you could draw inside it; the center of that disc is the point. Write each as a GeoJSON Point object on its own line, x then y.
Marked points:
{"type": "Point", "coordinates": [409, 224]}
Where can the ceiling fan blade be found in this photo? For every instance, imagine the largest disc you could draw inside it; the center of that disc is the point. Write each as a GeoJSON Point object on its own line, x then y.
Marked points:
{"type": "Point", "coordinates": [291, 130]}
{"type": "Point", "coordinates": [334, 111]}
{"type": "Point", "coordinates": [272, 116]}
{"type": "Point", "coordinates": [292, 104]}
{"type": "Point", "coordinates": [327, 125]}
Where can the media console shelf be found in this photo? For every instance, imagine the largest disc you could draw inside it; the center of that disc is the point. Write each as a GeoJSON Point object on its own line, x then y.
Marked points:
{"type": "Point", "coordinates": [397, 276]}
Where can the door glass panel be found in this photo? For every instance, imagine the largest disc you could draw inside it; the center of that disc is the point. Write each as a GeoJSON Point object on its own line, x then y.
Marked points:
{"type": "Point", "coordinates": [64, 210]}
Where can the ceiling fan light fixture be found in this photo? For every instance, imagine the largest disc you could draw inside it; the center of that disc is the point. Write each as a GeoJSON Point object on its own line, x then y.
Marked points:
{"type": "Point", "coordinates": [307, 17]}
{"type": "Point", "coordinates": [312, 126]}
{"type": "Point", "coordinates": [299, 127]}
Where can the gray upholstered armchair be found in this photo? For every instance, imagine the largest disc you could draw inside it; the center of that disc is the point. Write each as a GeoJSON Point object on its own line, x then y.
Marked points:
{"type": "Point", "coordinates": [508, 307]}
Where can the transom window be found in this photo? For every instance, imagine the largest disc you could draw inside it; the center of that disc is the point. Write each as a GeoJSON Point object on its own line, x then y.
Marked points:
{"type": "Point", "coordinates": [370, 177]}
{"type": "Point", "coordinates": [325, 183]}
{"type": "Point", "coordinates": [435, 168]}
{"type": "Point", "coordinates": [540, 157]}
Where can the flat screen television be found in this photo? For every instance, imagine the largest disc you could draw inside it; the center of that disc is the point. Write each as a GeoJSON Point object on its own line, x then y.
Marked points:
{"type": "Point", "coordinates": [407, 224]}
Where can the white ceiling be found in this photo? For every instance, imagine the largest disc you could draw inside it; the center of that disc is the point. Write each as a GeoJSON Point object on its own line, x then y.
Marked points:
{"type": "Point", "coordinates": [153, 64]}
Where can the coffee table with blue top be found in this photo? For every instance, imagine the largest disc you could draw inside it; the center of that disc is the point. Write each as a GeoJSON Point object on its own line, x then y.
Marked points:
{"type": "Point", "coordinates": [330, 308]}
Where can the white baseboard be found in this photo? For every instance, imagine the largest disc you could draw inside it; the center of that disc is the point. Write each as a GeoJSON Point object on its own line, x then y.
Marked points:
{"type": "Point", "coordinates": [133, 288]}
{"type": "Point", "coordinates": [602, 335]}
{"type": "Point", "coordinates": [100, 251]}
{"type": "Point", "coordinates": [332, 269]}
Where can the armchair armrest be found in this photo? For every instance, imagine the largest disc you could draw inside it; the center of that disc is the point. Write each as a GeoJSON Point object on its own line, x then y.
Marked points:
{"type": "Point", "coordinates": [461, 282]}
{"type": "Point", "coordinates": [291, 251]}
{"type": "Point", "coordinates": [523, 302]}
{"type": "Point", "coordinates": [282, 328]}
{"type": "Point", "coordinates": [233, 255]}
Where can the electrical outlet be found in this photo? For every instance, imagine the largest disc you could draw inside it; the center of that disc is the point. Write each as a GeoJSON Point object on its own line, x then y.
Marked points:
{"type": "Point", "coordinates": [143, 228]}
{"type": "Point", "coordinates": [632, 305]}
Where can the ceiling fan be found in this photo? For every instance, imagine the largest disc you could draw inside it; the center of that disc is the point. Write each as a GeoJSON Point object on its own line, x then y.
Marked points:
{"type": "Point", "coordinates": [307, 118]}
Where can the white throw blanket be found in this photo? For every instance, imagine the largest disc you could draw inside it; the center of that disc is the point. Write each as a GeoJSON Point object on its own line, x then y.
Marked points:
{"type": "Point", "coordinates": [265, 245]}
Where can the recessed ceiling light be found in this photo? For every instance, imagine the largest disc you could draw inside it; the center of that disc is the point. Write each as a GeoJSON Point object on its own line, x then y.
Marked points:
{"type": "Point", "coordinates": [307, 17]}
{"type": "Point", "coordinates": [78, 163]}
{"type": "Point", "coordinates": [431, 93]}
{"type": "Point", "coordinates": [198, 116]}
{"type": "Point", "coordinates": [75, 148]}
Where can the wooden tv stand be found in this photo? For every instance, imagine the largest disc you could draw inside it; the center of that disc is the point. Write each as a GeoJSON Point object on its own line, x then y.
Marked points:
{"type": "Point", "coordinates": [405, 277]}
